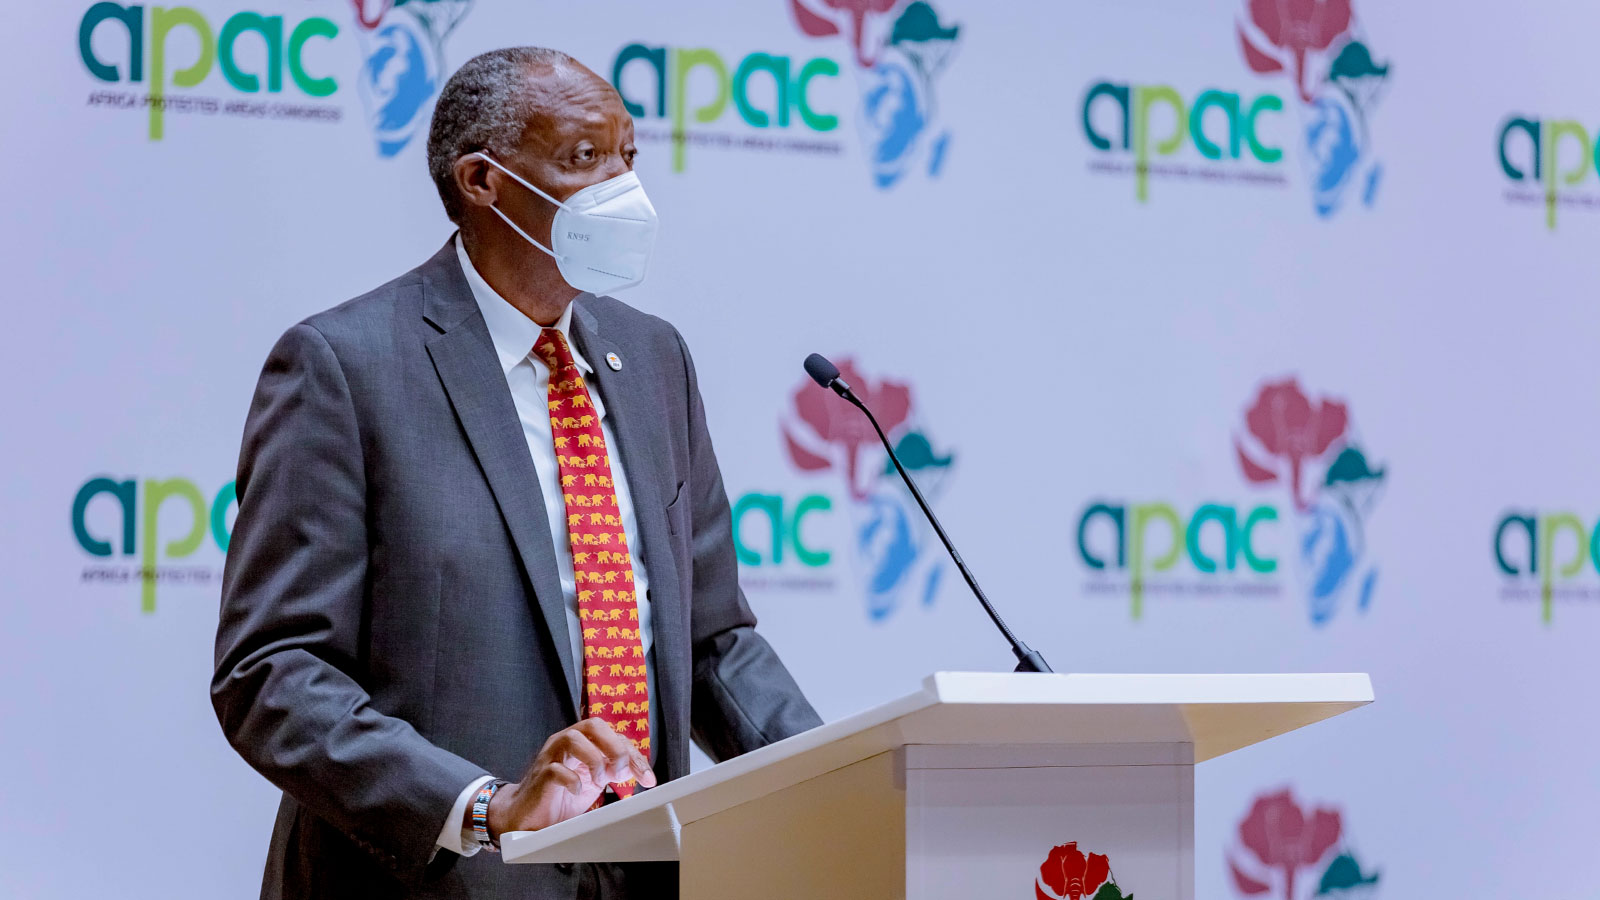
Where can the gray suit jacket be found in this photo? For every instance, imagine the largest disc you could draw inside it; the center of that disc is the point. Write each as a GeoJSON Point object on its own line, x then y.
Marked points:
{"type": "Point", "coordinates": [392, 621]}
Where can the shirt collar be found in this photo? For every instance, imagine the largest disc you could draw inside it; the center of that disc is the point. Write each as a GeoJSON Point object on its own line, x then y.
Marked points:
{"type": "Point", "coordinates": [513, 333]}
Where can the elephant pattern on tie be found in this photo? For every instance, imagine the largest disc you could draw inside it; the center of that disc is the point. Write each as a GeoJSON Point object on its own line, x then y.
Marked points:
{"type": "Point", "coordinates": [602, 564]}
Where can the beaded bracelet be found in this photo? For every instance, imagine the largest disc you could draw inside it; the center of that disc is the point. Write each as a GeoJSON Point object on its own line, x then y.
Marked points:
{"type": "Point", "coordinates": [480, 815]}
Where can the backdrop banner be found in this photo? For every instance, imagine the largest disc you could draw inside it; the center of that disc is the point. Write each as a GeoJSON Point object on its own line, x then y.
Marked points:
{"type": "Point", "coordinates": [1225, 336]}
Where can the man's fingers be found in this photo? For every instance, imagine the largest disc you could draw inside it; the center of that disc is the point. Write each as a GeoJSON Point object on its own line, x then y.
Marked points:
{"type": "Point", "coordinates": [563, 776]}
{"type": "Point", "coordinates": [575, 743]}
{"type": "Point", "coordinates": [619, 748]}
{"type": "Point", "coordinates": [596, 745]}
{"type": "Point", "coordinates": [647, 776]}
{"type": "Point", "coordinates": [596, 728]}
{"type": "Point", "coordinates": [606, 738]}
{"type": "Point", "coordinates": [641, 768]}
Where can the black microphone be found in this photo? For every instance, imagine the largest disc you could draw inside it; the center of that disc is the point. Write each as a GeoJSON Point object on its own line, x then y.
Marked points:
{"type": "Point", "coordinates": [826, 374]}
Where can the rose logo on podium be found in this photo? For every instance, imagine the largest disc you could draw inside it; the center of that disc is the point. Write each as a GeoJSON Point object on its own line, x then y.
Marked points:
{"type": "Point", "coordinates": [1067, 874]}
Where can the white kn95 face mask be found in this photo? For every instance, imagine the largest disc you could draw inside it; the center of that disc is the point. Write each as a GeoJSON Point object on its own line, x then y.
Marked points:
{"type": "Point", "coordinates": [602, 236]}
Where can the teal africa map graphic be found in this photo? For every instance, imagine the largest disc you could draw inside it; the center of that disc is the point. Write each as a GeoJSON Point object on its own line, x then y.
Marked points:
{"type": "Point", "coordinates": [402, 46]}
{"type": "Point", "coordinates": [900, 51]}
{"type": "Point", "coordinates": [1319, 47]}
{"type": "Point", "coordinates": [1309, 447]}
{"type": "Point", "coordinates": [895, 551]}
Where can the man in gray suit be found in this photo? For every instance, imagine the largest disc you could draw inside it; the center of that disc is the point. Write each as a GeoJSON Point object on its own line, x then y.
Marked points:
{"type": "Point", "coordinates": [412, 580]}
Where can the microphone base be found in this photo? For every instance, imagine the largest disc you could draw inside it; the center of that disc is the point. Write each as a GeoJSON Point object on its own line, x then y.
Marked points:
{"type": "Point", "coordinates": [1031, 661]}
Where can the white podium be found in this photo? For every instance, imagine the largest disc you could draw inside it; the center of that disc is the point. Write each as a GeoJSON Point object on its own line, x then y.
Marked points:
{"type": "Point", "coordinates": [973, 787]}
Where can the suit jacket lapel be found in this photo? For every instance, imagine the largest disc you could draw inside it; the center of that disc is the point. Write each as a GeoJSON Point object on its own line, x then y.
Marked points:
{"type": "Point", "coordinates": [635, 420]}
{"type": "Point", "coordinates": [464, 356]}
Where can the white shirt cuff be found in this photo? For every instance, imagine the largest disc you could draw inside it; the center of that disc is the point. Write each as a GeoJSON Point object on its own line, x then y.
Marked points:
{"type": "Point", "coordinates": [455, 837]}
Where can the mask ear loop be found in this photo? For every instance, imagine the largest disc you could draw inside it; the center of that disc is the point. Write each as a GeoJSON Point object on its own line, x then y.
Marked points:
{"type": "Point", "coordinates": [507, 219]}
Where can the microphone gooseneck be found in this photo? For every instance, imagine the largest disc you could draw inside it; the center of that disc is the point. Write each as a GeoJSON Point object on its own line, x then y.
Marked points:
{"type": "Point", "coordinates": [826, 374]}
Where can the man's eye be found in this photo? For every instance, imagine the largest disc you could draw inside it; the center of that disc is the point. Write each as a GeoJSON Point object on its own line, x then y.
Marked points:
{"type": "Point", "coordinates": [586, 154]}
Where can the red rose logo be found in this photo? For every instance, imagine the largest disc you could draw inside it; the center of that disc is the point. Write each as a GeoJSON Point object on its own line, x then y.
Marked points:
{"type": "Point", "coordinates": [1294, 29]}
{"type": "Point", "coordinates": [1283, 837]}
{"type": "Point", "coordinates": [859, 13]}
{"type": "Point", "coordinates": [370, 13]}
{"type": "Point", "coordinates": [1069, 875]}
{"type": "Point", "coordinates": [830, 432]}
{"type": "Point", "coordinates": [1291, 430]}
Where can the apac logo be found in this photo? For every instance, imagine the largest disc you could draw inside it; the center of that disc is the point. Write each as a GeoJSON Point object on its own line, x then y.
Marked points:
{"type": "Point", "coordinates": [794, 104]}
{"type": "Point", "coordinates": [1309, 453]}
{"type": "Point", "coordinates": [1558, 156]}
{"type": "Point", "coordinates": [856, 496]}
{"type": "Point", "coordinates": [1068, 874]}
{"type": "Point", "coordinates": [1186, 539]}
{"type": "Point", "coordinates": [1282, 850]}
{"type": "Point", "coordinates": [654, 84]}
{"type": "Point", "coordinates": [117, 55]}
{"type": "Point", "coordinates": [264, 57]}
{"type": "Point", "coordinates": [131, 525]}
{"type": "Point", "coordinates": [403, 67]}
{"type": "Point", "coordinates": [1125, 110]}
{"type": "Point", "coordinates": [1334, 87]}
{"type": "Point", "coordinates": [1527, 554]}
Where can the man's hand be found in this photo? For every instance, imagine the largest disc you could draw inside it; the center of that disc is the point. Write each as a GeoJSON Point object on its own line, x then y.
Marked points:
{"type": "Point", "coordinates": [565, 777]}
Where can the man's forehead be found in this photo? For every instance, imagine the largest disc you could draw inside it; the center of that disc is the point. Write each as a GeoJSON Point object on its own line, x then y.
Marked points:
{"type": "Point", "coordinates": [565, 87]}
{"type": "Point", "coordinates": [572, 95]}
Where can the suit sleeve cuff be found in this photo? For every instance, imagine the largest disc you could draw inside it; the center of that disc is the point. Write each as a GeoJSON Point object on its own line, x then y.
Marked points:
{"type": "Point", "coordinates": [454, 836]}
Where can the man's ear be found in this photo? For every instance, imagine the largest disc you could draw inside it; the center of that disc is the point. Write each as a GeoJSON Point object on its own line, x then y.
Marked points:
{"type": "Point", "coordinates": [473, 180]}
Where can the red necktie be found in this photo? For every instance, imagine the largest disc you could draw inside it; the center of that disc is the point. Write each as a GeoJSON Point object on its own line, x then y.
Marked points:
{"type": "Point", "coordinates": [614, 685]}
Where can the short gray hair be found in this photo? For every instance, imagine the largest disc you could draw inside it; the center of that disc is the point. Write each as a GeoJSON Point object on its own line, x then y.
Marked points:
{"type": "Point", "coordinates": [484, 106]}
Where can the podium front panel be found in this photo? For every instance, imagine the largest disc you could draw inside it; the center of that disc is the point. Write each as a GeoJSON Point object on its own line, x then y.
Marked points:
{"type": "Point", "coordinates": [1103, 822]}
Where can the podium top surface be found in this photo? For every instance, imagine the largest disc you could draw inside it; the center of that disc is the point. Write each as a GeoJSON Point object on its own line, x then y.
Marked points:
{"type": "Point", "coordinates": [1215, 714]}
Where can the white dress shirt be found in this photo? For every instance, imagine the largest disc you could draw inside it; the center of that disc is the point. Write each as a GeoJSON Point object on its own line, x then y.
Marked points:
{"type": "Point", "coordinates": [514, 335]}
